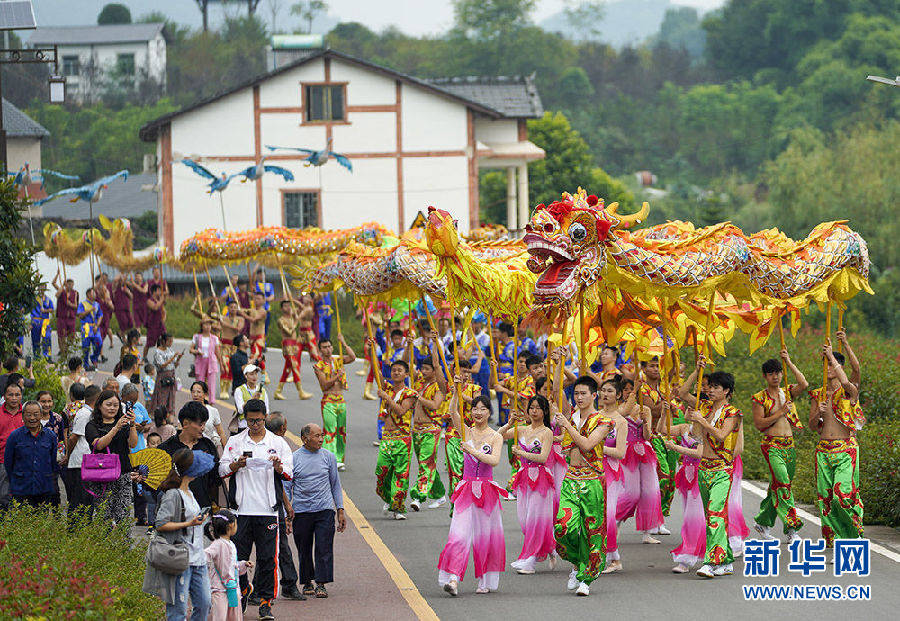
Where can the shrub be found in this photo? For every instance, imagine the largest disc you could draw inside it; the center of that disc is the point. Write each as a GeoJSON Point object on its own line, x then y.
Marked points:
{"type": "Point", "coordinates": [47, 377]}
{"type": "Point", "coordinates": [91, 569]}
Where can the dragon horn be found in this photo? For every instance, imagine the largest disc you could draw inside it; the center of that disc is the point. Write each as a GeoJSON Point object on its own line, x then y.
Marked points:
{"type": "Point", "coordinates": [627, 221]}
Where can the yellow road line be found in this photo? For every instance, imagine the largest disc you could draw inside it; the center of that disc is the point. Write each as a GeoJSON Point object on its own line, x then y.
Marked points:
{"type": "Point", "coordinates": [395, 570]}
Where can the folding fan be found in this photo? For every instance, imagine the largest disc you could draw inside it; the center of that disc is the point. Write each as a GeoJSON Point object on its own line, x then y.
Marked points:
{"type": "Point", "coordinates": [157, 462]}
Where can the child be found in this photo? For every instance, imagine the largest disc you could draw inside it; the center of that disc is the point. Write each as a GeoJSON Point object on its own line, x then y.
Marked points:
{"type": "Point", "coordinates": [153, 441]}
{"type": "Point", "coordinates": [161, 425]}
{"type": "Point", "coordinates": [223, 566]}
{"type": "Point", "coordinates": [148, 382]}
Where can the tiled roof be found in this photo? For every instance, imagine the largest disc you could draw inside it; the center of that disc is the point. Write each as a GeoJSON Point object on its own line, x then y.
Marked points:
{"type": "Point", "coordinates": [119, 200]}
{"type": "Point", "coordinates": [511, 96]}
{"type": "Point", "coordinates": [83, 35]}
{"type": "Point", "coordinates": [18, 124]}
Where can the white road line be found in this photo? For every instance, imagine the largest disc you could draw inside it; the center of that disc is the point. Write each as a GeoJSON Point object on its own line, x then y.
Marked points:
{"type": "Point", "coordinates": [806, 515]}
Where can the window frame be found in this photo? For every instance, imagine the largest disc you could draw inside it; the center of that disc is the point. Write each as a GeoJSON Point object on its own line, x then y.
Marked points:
{"type": "Point", "coordinates": [318, 194]}
{"type": "Point", "coordinates": [120, 56]}
{"type": "Point", "coordinates": [74, 60]}
{"type": "Point", "coordinates": [305, 104]}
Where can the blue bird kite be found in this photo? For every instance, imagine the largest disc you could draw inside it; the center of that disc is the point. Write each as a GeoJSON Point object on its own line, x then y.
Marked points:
{"type": "Point", "coordinates": [318, 158]}
{"type": "Point", "coordinates": [256, 171]}
{"type": "Point", "coordinates": [217, 183]}
{"type": "Point", "coordinates": [25, 176]}
{"type": "Point", "coordinates": [89, 192]}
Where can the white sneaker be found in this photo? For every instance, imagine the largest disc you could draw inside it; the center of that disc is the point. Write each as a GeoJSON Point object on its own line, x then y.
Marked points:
{"type": "Point", "coordinates": [583, 589]}
{"type": "Point", "coordinates": [662, 530]}
{"type": "Point", "coordinates": [511, 496]}
{"type": "Point", "coordinates": [724, 570]}
{"type": "Point", "coordinates": [415, 505]}
{"type": "Point", "coordinates": [680, 568]}
{"type": "Point", "coordinates": [706, 571]}
{"type": "Point", "coordinates": [385, 508]}
{"type": "Point", "coordinates": [792, 536]}
{"type": "Point", "coordinates": [553, 559]}
{"type": "Point", "coordinates": [399, 516]}
{"type": "Point", "coordinates": [648, 539]}
{"type": "Point", "coordinates": [451, 588]}
{"type": "Point", "coordinates": [341, 467]}
{"type": "Point", "coordinates": [573, 582]}
{"type": "Point", "coordinates": [440, 502]}
{"type": "Point", "coordinates": [764, 532]}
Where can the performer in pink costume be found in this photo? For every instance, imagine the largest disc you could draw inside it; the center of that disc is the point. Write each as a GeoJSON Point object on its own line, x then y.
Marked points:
{"type": "Point", "coordinates": [693, 525]}
{"type": "Point", "coordinates": [556, 463]}
{"type": "Point", "coordinates": [737, 527]}
{"type": "Point", "coordinates": [535, 489]}
{"type": "Point", "coordinates": [476, 524]}
{"type": "Point", "coordinates": [609, 395]}
{"type": "Point", "coordinates": [640, 495]}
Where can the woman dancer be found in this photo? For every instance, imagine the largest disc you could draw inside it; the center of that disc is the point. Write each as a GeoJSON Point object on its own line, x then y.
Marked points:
{"type": "Point", "coordinates": [476, 523]}
{"type": "Point", "coordinates": [556, 463]}
{"type": "Point", "coordinates": [685, 440]}
{"type": "Point", "coordinates": [640, 495]}
{"type": "Point", "coordinates": [610, 394]}
{"type": "Point", "coordinates": [534, 486]}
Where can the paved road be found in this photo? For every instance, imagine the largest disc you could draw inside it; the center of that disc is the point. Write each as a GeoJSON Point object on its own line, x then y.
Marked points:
{"type": "Point", "coordinates": [645, 589]}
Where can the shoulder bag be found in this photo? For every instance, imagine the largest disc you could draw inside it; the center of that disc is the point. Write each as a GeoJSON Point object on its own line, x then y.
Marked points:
{"type": "Point", "coordinates": [172, 559]}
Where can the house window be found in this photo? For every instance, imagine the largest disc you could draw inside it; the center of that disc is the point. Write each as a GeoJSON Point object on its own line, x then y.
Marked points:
{"type": "Point", "coordinates": [301, 209]}
{"type": "Point", "coordinates": [71, 66]}
{"type": "Point", "coordinates": [125, 64]}
{"type": "Point", "coordinates": [324, 102]}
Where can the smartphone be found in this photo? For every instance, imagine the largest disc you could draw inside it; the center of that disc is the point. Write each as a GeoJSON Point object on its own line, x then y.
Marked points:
{"type": "Point", "coordinates": [28, 361]}
{"type": "Point", "coordinates": [248, 454]}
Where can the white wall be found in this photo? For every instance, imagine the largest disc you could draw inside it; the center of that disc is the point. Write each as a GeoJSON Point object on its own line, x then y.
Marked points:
{"type": "Point", "coordinates": [431, 122]}
{"type": "Point", "coordinates": [438, 181]}
{"type": "Point", "coordinates": [365, 87]}
{"type": "Point", "coordinates": [23, 149]}
{"type": "Point", "coordinates": [503, 131]}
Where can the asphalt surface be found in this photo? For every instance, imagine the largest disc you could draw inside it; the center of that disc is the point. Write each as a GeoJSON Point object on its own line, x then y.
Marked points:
{"type": "Point", "coordinates": [646, 588]}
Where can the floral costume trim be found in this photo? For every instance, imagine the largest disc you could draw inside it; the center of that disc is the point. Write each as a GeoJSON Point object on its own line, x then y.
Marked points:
{"type": "Point", "coordinates": [837, 489]}
{"type": "Point", "coordinates": [847, 413]}
{"type": "Point", "coordinates": [780, 456]}
{"type": "Point", "coordinates": [767, 402]}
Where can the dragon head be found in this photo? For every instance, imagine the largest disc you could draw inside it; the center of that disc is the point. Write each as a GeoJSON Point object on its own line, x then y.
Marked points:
{"type": "Point", "coordinates": [441, 233]}
{"type": "Point", "coordinates": [567, 240]}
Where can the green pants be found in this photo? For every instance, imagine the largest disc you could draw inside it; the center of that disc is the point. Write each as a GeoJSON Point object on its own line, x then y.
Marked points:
{"type": "Point", "coordinates": [428, 485]}
{"type": "Point", "coordinates": [392, 471]}
{"type": "Point", "coordinates": [665, 472]}
{"type": "Point", "coordinates": [781, 457]}
{"type": "Point", "coordinates": [715, 485]}
{"type": "Point", "coordinates": [454, 462]}
{"type": "Point", "coordinates": [837, 489]}
{"type": "Point", "coordinates": [580, 526]}
{"type": "Point", "coordinates": [334, 425]}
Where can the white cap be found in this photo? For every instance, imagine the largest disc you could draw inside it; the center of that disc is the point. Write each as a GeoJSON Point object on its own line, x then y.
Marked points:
{"type": "Point", "coordinates": [250, 368]}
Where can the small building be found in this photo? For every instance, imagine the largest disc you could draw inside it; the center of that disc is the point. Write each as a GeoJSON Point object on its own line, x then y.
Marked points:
{"type": "Point", "coordinates": [411, 142]}
{"type": "Point", "coordinates": [24, 138]}
{"type": "Point", "coordinates": [91, 55]}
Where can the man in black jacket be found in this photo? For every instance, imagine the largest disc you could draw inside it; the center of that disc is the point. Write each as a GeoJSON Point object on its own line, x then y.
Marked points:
{"type": "Point", "coordinates": [193, 416]}
{"type": "Point", "coordinates": [239, 359]}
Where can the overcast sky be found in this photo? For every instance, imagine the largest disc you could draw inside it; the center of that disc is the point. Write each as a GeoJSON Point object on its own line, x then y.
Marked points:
{"type": "Point", "coordinates": [418, 17]}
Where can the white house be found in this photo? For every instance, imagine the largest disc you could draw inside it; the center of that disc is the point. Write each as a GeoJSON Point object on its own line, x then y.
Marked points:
{"type": "Point", "coordinates": [88, 54]}
{"type": "Point", "coordinates": [24, 137]}
{"type": "Point", "coordinates": [412, 143]}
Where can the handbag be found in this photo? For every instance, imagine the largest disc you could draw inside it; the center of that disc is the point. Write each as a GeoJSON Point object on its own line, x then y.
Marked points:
{"type": "Point", "coordinates": [172, 559]}
{"type": "Point", "coordinates": [231, 590]}
{"type": "Point", "coordinates": [101, 467]}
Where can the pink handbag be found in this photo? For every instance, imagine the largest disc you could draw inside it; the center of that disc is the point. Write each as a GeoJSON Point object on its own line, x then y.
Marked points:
{"type": "Point", "coordinates": [101, 467]}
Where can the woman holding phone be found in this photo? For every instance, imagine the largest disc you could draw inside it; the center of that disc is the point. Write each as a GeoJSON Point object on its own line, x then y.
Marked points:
{"type": "Point", "coordinates": [179, 518]}
{"type": "Point", "coordinates": [111, 430]}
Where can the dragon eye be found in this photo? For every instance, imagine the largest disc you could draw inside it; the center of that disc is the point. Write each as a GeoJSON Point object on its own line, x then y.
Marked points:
{"type": "Point", "coordinates": [577, 232]}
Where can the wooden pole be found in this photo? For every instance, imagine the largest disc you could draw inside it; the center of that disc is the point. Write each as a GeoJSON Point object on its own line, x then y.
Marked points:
{"type": "Point", "coordinates": [827, 339]}
{"type": "Point", "coordinates": [494, 378]}
{"type": "Point", "coordinates": [411, 346]}
{"type": "Point", "coordinates": [581, 335]}
{"type": "Point", "coordinates": [197, 288]}
{"type": "Point", "coordinates": [376, 364]}
{"type": "Point", "coordinates": [840, 345]}
{"type": "Point", "coordinates": [562, 361]}
{"type": "Point", "coordinates": [515, 399]}
{"type": "Point", "coordinates": [709, 314]}
{"type": "Point", "coordinates": [443, 358]}
{"type": "Point", "coordinates": [230, 286]}
{"type": "Point", "coordinates": [787, 395]}
{"type": "Point", "coordinates": [663, 375]}
{"type": "Point", "coordinates": [213, 291]}
{"type": "Point", "coordinates": [337, 322]}
{"type": "Point", "coordinates": [462, 418]}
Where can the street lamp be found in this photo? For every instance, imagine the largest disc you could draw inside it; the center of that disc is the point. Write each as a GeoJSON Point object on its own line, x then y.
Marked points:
{"type": "Point", "coordinates": [57, 89]}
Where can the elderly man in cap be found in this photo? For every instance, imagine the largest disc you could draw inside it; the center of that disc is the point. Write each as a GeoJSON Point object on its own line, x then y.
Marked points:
{"type": "Point", "coordinates": [251, 389]}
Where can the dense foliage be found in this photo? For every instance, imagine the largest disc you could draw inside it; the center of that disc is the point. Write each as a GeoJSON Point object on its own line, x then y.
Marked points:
{"type": "Point", "coordinates": [19, 280]}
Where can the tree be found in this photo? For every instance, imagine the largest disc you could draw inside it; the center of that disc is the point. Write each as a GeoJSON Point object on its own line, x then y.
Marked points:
{"type": "Point", "coordinates": [567, 166]}
{"type": "Point", "coordinates": [681, 28]}
{"type": "Point", "coordinates": [492, 19]}
{"type": "Point", "coordinates": [308, 10]}
{"type": "Point", "coordinates": [584, 17]}
{"type": "Point", "coordinates": [114, 13]}
{"type": "Point", "coordinates": [19, 285]}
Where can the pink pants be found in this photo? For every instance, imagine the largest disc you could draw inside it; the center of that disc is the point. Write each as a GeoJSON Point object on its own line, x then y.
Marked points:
{"type": "Point", "coordinates": [207, 370]}
{"type": "Point", "coordinates": [219, 610]}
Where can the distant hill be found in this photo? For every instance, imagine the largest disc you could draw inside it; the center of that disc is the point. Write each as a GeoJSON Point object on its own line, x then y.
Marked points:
{"type": "Point", "coordinates": [624, 22]}
{"type": "Point", "coordinates": [185, 12]}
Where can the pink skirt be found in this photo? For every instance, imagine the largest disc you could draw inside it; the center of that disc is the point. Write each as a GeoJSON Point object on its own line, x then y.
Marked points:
{"type": "Point", "coordinates": [615, 476]}
{"type": "Point", "coordinates": [536, 505]}
{"type": "Point", "coordinates": [693, 526]}
{"type": "Point", "coordinates": [476, 527]}
{"type": "Point", "coordinates": [640, 495]}
{"type": "Point", "coordinates": [737, 527]}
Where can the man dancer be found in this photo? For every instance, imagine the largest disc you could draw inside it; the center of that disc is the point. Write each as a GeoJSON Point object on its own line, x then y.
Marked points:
{"type": "Point", "coordinates": [427, 431]}
{"type": "Point", "coordinates": [256, 316]}
{"type": "Point", "coordinates": [41, 332]}
{"type": "Point", "coordinates": [103, 297]}
{"type": "Point", "coordinates": [719, 422]}
{"type": "Point", "coordinates": [392, 467]}
{"type": "Point", "coordinates": [232, 325]}
{"type": "Point", "coordinates": [66, 311]}
{"type": "Point", "coordinates": [89, 314]}
{"type": "Point", "coordinates": [666, 463]}
{"type": "Point", "coordinates": [267, 289]}
{"type": "Point", "coordinates": [332, 377]}
{"type": "Point", "coordinates": [836, 416]}
{"type": "Point", "coordinates": [774, 414]}
{"type": "Point", "coordinates": [580, 526]}
{"type": "Point", "coordinates": [121, 299]}
{"type": "Point", "coordinates": [289, 322]}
